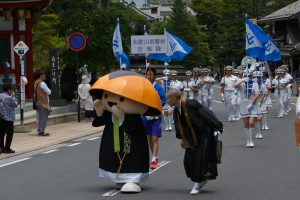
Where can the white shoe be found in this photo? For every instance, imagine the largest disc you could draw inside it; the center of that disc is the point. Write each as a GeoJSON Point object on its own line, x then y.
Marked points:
{"type": "Point", "coordinates": [131, 188]}
{"type": "Point", "coordinates": [167, 128]}
{"type": "Point", "coordinates": [195, 191]}
{"type": "Point", "coordinates": [170, 127]}
{"type": "Point", "coordinates": [236, 119]}
{"type": "Point", "coordinates": [286, 114]}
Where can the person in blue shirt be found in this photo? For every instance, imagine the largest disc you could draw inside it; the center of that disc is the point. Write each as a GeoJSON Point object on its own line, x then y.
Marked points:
{"type": "Point", "coordinates": [153, 124]}
{"type": "Point", "coordinates": [8, 103]}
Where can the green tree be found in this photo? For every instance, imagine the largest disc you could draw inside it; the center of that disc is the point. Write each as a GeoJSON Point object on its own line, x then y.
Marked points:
{"type": "Point", "coordinates": [45, 36]}
{"type": "Point", "coordinates": [186, 27]}
{"type": "Point", "coordinates": [97, 24]}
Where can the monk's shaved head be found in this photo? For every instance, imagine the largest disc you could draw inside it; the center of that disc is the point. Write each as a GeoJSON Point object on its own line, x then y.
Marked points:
{"type": "Point", "coordinates": [174, 93]}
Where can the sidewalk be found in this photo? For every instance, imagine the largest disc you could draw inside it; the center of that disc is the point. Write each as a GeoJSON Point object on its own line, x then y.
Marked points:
{"type": "Point", "coordinates": [59, 133]}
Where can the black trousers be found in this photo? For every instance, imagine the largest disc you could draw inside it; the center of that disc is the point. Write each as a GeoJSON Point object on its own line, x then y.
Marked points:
{"type": "Point", "coordinates": [6, 128]}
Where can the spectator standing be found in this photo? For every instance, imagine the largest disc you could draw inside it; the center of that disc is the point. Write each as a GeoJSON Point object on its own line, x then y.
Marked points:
{"type": "Point", "coordinates": [42, 92]}
{"type": "Point", "coordinates": [8, 103]}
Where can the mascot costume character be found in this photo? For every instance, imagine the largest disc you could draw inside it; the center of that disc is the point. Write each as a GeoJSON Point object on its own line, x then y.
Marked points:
{"type": "Point", "coordinates": [121, 98]}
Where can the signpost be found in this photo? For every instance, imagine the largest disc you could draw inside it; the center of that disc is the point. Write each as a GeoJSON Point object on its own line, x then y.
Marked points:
{"type": "Point", "coordinates": [21, 49]}
{"type": "Point", "coordinates": [77, 42]}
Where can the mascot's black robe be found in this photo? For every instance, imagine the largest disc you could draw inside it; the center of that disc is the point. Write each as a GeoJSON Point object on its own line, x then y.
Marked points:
{"type": "Point", "coordinates": [137, 161]}
{"type": "Point", "coordinates": [199, 162]}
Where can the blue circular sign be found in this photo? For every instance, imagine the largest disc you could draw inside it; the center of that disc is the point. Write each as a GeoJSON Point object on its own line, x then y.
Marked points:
{"type": "Point", "coordinates": [76, 41]}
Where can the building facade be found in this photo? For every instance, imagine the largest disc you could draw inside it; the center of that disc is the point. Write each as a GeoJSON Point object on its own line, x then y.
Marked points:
{"type": "Point", "coordinates": [284, 27]}
{"type": "Point", "coordinates": [16, 18]}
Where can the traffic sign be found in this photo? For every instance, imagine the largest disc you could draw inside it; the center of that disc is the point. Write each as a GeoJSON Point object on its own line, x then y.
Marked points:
{"type": "Point", "coordinates": [21, 48]}
{"type": "Point", "coordinates": [76, 41]}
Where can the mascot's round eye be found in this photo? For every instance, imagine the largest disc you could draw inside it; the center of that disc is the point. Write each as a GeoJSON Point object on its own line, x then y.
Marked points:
{"type": "Point", "coordinates": [105, 96]}
{"type": "Point", "coordinates": [122, 99]}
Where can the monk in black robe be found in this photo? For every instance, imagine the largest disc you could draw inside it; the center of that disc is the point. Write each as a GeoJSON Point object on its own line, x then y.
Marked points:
{"type": "Point", "coordinates": [195, 126]}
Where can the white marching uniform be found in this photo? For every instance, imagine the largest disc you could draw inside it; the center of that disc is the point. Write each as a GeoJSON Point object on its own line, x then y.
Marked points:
{"type": "Point", "coordinates": [250, 88]}
{"type": "Point", "coordinates": [237, 100]}
{"type": "Point", "coordinates": [206, 94]}
{"type": "Point", "coordinates": [280, 94]}
{"type": "Point", "coordinates": [229, 90]}
{"type": "Point", "coordinates": [268, 100]}
{"type": "Point", "coordinates": [263, 99]}
{"type": "Point", "coordinates": [168, 117]}
{"type": "Point", "coordinates": [288, 106]}
{"type": "Point", "coordinates": [187, 92]}
{"type": "Point", "coordinates": [177, 85]}
{"type": "Point", "coordinates": [195, 94]}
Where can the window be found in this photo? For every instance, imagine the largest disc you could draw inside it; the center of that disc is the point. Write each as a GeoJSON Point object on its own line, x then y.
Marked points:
{"type": "Point", "coordinates": [154, 10]}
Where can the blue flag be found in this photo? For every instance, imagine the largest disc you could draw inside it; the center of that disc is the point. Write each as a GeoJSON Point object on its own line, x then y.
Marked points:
{"type": "Point", "coordinates": [254, 47]}
{"type": "Point", "coordinates": [259, 44]}
{"type": "Point", "coordinates": [177, 49]}
{"type": "Point", "coordinates": [118, 47]}
{"type": "Point", "coordinates": [272, 53]}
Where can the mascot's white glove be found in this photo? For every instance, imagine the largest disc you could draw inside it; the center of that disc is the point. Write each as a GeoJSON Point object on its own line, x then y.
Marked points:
{"type": "Point", "coordinates": [118, 112]}
{"type": "Point", "coordinates": [222, 96]}
{"type": "Point", "coordinates": [249, 107]}
{"type": "Point", "coordinates": [99, 107]}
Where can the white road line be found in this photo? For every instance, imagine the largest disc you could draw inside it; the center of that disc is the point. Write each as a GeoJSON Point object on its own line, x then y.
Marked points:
{"type": "Point", "coordinates": [218, 101]}
{"type": "Point", "coordinates": [51, 151]}
{"type": "Point", "coordinates": [113, 192]}
{"type": "Point", "coordinates": [74, 144]}
{"type": "Point", "coordinates": [94, 138]}
{"type": "Point", "coordinates": [14, 162]}
{"type": "Point", "coordinates": [163, 163]}
{"type": "Point", "coordinates": [110, 192]}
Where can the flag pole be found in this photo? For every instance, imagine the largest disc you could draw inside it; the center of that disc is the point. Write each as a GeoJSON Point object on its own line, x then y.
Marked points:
{"type": "Point", "coordinates": [145, 31]}
{"type": "Point", "coordinates": [120, 55]}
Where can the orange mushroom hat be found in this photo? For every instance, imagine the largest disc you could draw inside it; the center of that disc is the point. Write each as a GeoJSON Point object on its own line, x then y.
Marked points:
{"type": "Point", "coordinates": [130, 85]}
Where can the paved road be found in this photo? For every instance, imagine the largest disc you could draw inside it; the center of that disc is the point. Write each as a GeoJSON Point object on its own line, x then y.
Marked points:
{"type": "Point", "coordinates": [270, 171]}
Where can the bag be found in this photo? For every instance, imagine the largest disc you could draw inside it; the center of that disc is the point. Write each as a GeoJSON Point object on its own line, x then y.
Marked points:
{"type": "Point", "coordinates": [34, 99]}
{"type": "Point", "coordinates": [219, 147]}
{"type": "Point", "coordinates": [34, 104]}
{"type": "Point", "coordinates": [297, 131]}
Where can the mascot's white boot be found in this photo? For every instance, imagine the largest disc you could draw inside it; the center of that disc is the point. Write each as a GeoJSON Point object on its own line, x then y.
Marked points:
{"type": "Point", "coordinates": [131, 188]}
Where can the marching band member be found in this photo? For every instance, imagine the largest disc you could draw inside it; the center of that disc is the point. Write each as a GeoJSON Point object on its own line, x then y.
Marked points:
{"type": "Point", "coordinates": [166, 83]}
{"type": "Point", "coordinates": [279, 83]}
{"type": "Point", "coordinates": [227, 91]}
{"type": "Point", "coordinates": [206, 89]}
{"type": "Point", "coordinates": [261, 106]}
{"type": "Point", "coordinates": [249, 106]}
{"type": "Point", "coordinates": [266, 101]}
{"type": "Point", "coordinates": [168, 112]}
{"type": "Point", "coordinates": [237, 96]}
{"type": "Point", "coordinates": [290, 81]}
{"type": "Point", "coordinates": [188, 83]}
{"type": "Point", "coordinates": [196, 73]}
